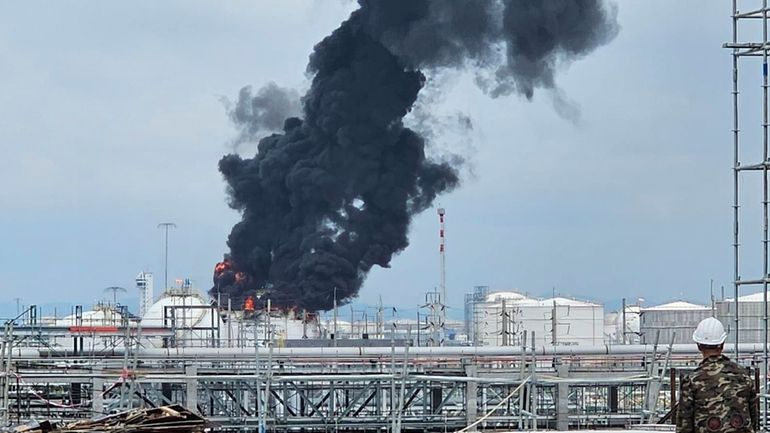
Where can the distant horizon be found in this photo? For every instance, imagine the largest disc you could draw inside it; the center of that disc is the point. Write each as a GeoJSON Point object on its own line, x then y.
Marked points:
{"type": "Point", "coordinates": [62, 309]}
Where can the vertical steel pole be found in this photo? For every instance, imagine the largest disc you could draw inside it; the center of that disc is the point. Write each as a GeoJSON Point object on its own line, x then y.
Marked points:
{"type": "Point", "coordinates": [166, 226]}
{"type": "Point", "coordinates": [393, 378]}
{"type": "Point", "coordinates": [404, 374]}
{"type": "Point", "coordinates": [3, 404]}
{"type": "Point", "coordinates": [764, 201]}
{"type": "Point", "coordinates": [259, 403]}
{"type": "Point", "coordinates": [736, 166]}
{"type": "Point", "coordinates": [165, 262]}
{"type": "Point", "coordinates": [269, 372]}
{"type": "Point", "coordinates": [623, 320]}
{"type": "Point", "coordinates": [8, 362]}
{"type": "Point", "coordinates": [334, 325]}
{"type": "Point", "coordinates": [444, 302]}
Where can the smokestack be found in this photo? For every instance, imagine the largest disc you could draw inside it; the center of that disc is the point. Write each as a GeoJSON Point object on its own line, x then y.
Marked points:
{"type": "Point", "coordinates": [334, 193]}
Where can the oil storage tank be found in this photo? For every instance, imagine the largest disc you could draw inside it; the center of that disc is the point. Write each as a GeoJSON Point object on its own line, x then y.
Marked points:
{"type": "Point", "coordinates": [750, 317]}
{"type": "Point", "coordinates": [671, 322]}
{"type": "Point", "coordinates": [511, 319]}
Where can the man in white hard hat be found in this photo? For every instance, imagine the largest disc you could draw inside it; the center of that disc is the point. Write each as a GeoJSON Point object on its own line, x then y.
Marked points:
{"type": "Point", "coordinates": [719, 396]}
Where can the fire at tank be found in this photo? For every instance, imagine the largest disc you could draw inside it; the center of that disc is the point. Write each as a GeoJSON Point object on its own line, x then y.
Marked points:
{"type": "Point", "coordinates": [334, 193]}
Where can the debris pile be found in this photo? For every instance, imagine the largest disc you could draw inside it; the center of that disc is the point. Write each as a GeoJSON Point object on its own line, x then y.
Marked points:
{"type": "Point", "coordinates": [166, 419]}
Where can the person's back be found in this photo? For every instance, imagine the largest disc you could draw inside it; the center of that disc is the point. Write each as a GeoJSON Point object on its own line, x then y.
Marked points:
{"type": "Point", "coordinates": [718, 396]}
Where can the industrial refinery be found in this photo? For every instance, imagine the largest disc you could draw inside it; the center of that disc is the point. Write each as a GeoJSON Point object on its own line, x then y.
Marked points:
{"type": "Point", "coordinates": [339, 188]}
{"type": "Point", "coordinates": [522, 362]}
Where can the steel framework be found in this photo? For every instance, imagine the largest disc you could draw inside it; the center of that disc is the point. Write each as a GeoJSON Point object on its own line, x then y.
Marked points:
{"type": "Point", "coordinates": [351, 388]}
{"type": "Point", "coordinates": [749, 44]}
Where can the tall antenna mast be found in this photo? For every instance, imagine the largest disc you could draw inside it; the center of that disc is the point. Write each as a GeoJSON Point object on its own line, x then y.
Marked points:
{"type": "Point", "coordinates": [442, 285]}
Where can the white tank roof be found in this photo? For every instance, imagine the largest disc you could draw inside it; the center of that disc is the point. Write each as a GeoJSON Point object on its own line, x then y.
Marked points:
{"type": "Point", "coordinates": [329, 323]}
{"type": "Point", "coordinates": [752, 297]}
{"type": "Point", "coordinates": [519, 299]}
{"type": "Point", "coordinates": [677, 306]}
{"type": "Point", "coordinates": [100, 316]}
{"type": "Point", "coordinates": [559, 301]}
{"type": "Point", "coordinates": [184, 316]}
{"type": "Point", "coordinates": [508, 296]}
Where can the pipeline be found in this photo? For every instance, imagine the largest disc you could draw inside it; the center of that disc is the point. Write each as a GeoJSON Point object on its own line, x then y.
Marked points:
{"type": "Point", "coordinates": [379, 352]}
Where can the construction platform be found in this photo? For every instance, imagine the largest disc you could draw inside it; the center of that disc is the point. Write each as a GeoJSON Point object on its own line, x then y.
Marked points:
{"type": "Point", "coordinates": [354, 388]}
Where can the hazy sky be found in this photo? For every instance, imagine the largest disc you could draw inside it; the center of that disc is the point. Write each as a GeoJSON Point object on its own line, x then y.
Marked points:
{"type": "Point", "coordinates": [111, 122]}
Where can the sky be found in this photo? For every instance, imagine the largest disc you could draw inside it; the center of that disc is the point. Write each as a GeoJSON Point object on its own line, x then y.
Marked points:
{"type": "Point", "coordinates": [112, 121]}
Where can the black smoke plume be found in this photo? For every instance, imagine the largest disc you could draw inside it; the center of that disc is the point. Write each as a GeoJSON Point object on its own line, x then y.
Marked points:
{"type": "Point", "coordinates": [264, 112]}
{"type": "Point", "coordinates": [334, 193]}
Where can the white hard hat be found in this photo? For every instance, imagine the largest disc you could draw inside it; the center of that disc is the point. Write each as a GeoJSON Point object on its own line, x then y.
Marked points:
{"type": "Point", "coordinates": [710, 331]}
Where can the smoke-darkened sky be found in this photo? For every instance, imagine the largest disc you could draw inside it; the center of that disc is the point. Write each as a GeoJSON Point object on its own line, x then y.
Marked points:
{"type": "Point", "coordinates": [112, 121]}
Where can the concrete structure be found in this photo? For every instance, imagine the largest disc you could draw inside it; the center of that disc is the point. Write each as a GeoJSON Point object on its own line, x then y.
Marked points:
{"type": "Point", "coordinates": [671, 322]}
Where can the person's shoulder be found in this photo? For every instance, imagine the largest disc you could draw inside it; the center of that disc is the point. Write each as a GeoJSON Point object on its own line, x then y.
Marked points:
{"type": "Point", "coordinates": [734, 366]}
{"type": "Point", "coordinates": [699, 369]}
{"type": "Point", "coordinates": [693, 376]}
{"type": "Point", "coordinates": [737, 371]}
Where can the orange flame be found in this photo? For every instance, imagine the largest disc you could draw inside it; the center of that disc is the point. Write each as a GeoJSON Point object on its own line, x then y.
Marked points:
{"type": "Point", "coordinates": [221, 267]}
{"type": "Point", "coordinates": [248, 304]}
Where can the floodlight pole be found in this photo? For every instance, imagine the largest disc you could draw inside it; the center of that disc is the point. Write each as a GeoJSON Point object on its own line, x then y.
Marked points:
{"type": "Point", "coordinates": [165, 227]}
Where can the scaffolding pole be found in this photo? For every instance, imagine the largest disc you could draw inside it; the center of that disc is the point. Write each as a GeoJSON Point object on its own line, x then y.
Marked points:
{"type": "Point", "coordinates": [751, 49]}
{"type": "Point", "coordinates": [736, 175]}
{"type": "Point", "coordinates": [764, 207]}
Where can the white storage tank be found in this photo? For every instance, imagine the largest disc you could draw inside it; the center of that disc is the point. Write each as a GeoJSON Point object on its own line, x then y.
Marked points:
{"type": "Point", "coordinates": [750, 317]}
{"type": "Point", "coordinates": [505, 318]}
{"type": "Point", "coordinates": [674, 321]}
{"type": "Point", "coordinates": [191, 316]}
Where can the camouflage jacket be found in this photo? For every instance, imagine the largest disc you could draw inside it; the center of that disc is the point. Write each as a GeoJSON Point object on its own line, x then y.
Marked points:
{"type": "Point", "coordinates": [719, 396]}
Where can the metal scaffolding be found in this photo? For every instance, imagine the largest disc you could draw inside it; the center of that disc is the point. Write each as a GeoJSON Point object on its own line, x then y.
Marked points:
{"type": "Point", "coordinates": [365, 394]}
{"type": "Point", "coordinates": [748, 45]}
{"type": "Point", "coordinates": [352, 388]}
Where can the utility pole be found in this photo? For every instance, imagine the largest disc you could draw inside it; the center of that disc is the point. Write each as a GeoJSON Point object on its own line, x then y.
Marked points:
{"type": "Point", "coordinates": [165, 227]}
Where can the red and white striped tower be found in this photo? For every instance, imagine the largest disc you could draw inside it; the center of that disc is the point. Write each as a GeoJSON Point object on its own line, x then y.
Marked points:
{"type": "Point", "coordinates": [442, 255]}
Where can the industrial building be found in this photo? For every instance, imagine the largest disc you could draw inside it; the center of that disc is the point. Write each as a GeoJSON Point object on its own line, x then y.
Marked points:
{"type": "Point", "coordinates": [546, 358]}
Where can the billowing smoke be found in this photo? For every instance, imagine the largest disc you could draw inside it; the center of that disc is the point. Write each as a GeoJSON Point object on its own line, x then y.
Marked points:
{"type": "Point", "coordinates": [263, 113]}
{"type": "Point", "coordinates": [334, 193]}
{"type": "Point", "coordinates": [515, 45]}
